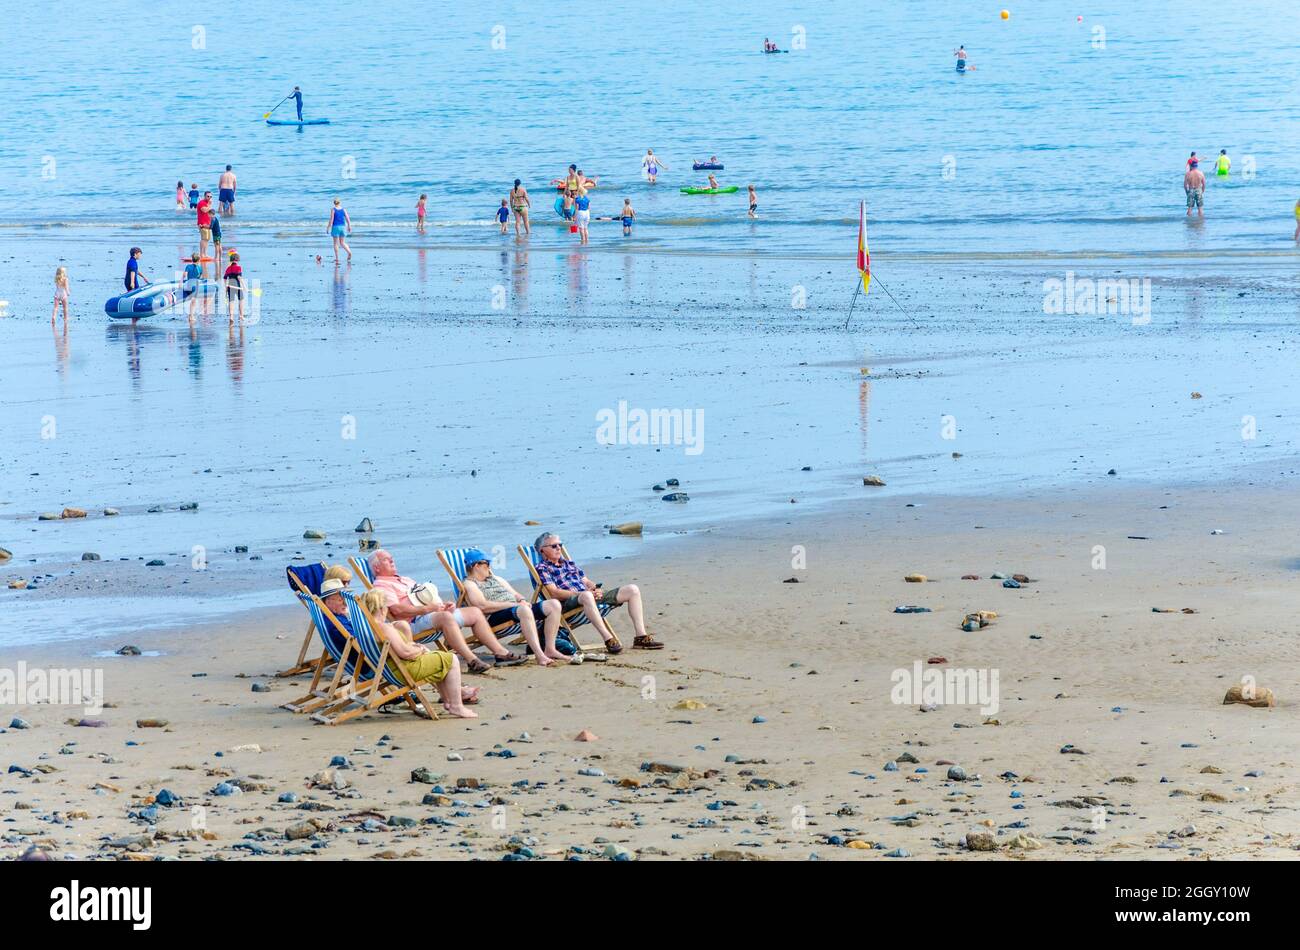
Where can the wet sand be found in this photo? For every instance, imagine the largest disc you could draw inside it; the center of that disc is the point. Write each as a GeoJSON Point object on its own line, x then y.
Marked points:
{"type": "Point", "coordinates": [397, 390]}
{"type": "Point", "coordinates": [1083, 661]}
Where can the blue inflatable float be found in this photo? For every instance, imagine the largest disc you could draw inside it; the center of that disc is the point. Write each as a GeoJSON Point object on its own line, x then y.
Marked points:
{"type": "Point", "coordinates": [152, 299]}
{"type": "Point", "coordinates": [706, 166]}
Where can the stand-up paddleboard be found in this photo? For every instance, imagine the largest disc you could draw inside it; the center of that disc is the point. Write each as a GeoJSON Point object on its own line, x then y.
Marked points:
{"type": "Point", "coordinates": [706, 166]}
{"type": "Point", "coordinates": [776, 51]}
{"type": "Point", "coordinates": [152, 299]}
{"type": "Point", "coordinates": [297, 122]}
{"type": "Point", "coordinates": [711, 191]}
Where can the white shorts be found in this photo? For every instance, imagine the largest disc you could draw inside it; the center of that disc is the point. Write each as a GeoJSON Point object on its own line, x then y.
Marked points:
{"type": "Point", "coordinates": [424, 622]}
{"type": "Point", "coordinates": [584, 218]}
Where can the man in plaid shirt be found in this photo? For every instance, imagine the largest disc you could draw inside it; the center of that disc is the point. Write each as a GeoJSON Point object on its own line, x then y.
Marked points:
{"type": "Point", "coordinates": [569, 584]}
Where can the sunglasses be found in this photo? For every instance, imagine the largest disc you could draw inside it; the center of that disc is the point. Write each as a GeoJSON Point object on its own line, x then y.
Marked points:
{"type": "Point", "coordinates": [552, 545]}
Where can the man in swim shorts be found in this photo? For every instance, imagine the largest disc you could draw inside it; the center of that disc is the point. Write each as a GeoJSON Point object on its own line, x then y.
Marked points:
{"type": "Point", "coordinates": [226, 192]}
{"type": "Point", "coordinates": [1194, 185]}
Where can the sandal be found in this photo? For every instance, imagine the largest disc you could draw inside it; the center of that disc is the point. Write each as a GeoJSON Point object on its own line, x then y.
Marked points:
{"type": "Point", "coordinates": [646, 643]}
{"type": "Point", "coordinates": [477, 666]}
{"type": "Point", "coordinates": [508, 660]}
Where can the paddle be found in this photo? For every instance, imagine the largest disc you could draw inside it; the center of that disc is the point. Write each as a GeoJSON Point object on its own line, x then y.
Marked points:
{"type": "Point", "coordinates": [278, 104]}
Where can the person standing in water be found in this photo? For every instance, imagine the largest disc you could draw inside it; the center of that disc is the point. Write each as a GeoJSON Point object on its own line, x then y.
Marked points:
{"type": "Point", "coordinates": [1194, 185]}
{"type": "Point", "coordinates": [226, 192]}
{"type": "Point", "coordinates": [651, 164]}
{"type": "Point", "coordinates": [520, 204]}
{"type": "Point", "coordinates": [583, 216]}
{"type": "Point", "coordinates": [961, 58]}
{"type": "Point", "coordinates": [753, 202]}
{"type": "Point", "coordinates": [419, 213]}
{"type": "Point", "coordinates": [61, 294]}
{"type": "Point", "coordinates": [340, 225]}
{"type": "Point", "coordinates": [1224, 164]}
{"type": "Point", "coordinates": [629, 216]}
{"type": "Point", "coordinates": [1297, 220]}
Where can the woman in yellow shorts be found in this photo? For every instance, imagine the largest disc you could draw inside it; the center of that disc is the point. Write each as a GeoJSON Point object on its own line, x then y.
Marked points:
{"type": "Point", "coordinates": [421, 664]}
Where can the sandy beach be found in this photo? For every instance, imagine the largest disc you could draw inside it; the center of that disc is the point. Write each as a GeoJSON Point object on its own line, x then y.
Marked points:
{"type": "Point", "coordinates": [769, 716]}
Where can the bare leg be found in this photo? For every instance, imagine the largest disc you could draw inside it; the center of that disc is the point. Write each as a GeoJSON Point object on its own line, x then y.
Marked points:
{"type": "Point", "coordinates": [449, 689]}
{"type": "Point", "coordinates": [588, 601]}
{"type": "Point", "coordinates": [551, 628]}
{"type": "Point", "coordinates": [524, 614]}
{"type": "Point", "coordinates": [455, 639]}
{"type": "Point", "coordinates": [630, 594]}
{"type": "Point", "coordinates": [474, 618]}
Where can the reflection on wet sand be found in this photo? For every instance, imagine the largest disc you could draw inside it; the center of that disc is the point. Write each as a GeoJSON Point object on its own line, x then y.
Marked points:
{"type": "Point", "coordinates": [235, 353]}
{"type": "Point", "coordinates": [519, 280]}
{"type": "Point", "coordinates": [342, 298]}
{"type": "Point", "coordinates": [62, 349]}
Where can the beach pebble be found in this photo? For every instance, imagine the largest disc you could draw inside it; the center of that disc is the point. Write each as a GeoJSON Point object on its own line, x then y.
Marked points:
{"type": "Point", "coordinates": [627, 527]}
{"type": "Point", "coordinates": [679, 496]}
{"type": "Point", "coordinates": [241, 548]}
{"type": "Point", "coordinates": [1258, 696]}
{"type": "Point", "coordinates": [688, 704]}
{"type": "Point", "coordinates": [190, 506]}
{"type": "Point", "coordinates": [586, 735]}
{"type": "Point", "coordinates": [911, 609]}
{"type": "Point", "coordinates": [17, 583]}
{"type": "Point", "coordinates": [48, 516]}
{"type": "Point", "coordinates": [91, 723]}
{"type": "Point", "coordinates": [128, 650]}
{"type": "Point", "coordinates": [90, 556]}
{"type": "Point", "coordinates": [915, 578]}
{"type": "Point", "coordinates": [593, 773]}
{"type": "Point", "coordinates": [156, 562]}
{"type": "Point", "coordinates": [898, 853]}
{"type": "Point", "coordinates": [365, 527]}
{"type": "Point", "coordinates": [873, 480]}
{"type": "Point", "coordinates": [151, 723]}
{"type": "Point", "coordinates": [225, 788]}
{"type": "Point", "coordinates": [311, 534]}
{"type": "Point", "coordinates": [1072, 750]}
{"type": "Point", "coordinates": [673, 483]}
{"type": "Point", "coordinates": [17, 723]}
{"type": "Point", "coordinates": [261, 688]}
{"type": "Point", "coordinates": [110, 512]}
{"type": "Point", "coordinates": [342, 762]}
{"type": "Point", "coordinates": [891, 767]}
{"type": "Point", "coordinates": [5, 555]}
{"type": "Point", "coordinates": [758, 719]}
{"type": "Point", "coordinates": [288, 798]}
{"type": "Point", "coordinates": [1011, 583]}
{"type": "Point", "coordinates": [956, 773]}
{"type": "Point", "coordinates": [970, 577]}
{"type": "Point", "coordinates": [73, 513]}
{"type": "Point", "coordinates": [455, 757]}
{"type": "Point", "coordinates": [908, 758]}
{"type": "Point", "coordinates": [616, 852]}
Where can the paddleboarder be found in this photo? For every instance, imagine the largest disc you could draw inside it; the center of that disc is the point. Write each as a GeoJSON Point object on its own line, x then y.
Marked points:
{"type": "Point", "coordinates": [296, 96]}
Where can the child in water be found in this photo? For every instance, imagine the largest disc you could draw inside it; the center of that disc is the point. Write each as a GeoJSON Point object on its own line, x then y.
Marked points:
{"type": "Point", "coordinates": [234, 276]}
{"type": "Point", "coordinates": [503, 215]}
{"type": "Point", "coordinates": [753, 202]}
{"type": "Point", "coordinates": [713, 182]}
{"type": "Point", "coordinates": [628, 216]}
{"type": "Point", "coordinates": [194, 196]}
{"type": "Point", "coordinates": [180, 196]}
{"type": "Point", "coordinates": [193, 272]}
{"type": "Point", "coordinates": [1297, 220]}
{"type": "Point", "coordinates": [419, 214]}
{"type": "Point", "coordinates": [61, 294]}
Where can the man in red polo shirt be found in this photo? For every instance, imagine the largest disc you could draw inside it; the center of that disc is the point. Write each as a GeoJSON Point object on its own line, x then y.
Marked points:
{"type": "Point", "coordinates": [205, 226]}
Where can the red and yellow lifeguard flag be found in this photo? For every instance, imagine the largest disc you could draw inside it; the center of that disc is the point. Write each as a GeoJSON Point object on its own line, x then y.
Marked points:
{"type": "Point", "coordinates": [864, 255]}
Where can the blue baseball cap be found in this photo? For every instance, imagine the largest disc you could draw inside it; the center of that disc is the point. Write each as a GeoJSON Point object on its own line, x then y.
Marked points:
{"type": "Point", "coordinates": [473, 556]}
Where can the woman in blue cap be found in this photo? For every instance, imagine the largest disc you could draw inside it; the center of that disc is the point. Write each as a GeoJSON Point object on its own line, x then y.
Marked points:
{"type": "Point", "coordinates": [502, 603]}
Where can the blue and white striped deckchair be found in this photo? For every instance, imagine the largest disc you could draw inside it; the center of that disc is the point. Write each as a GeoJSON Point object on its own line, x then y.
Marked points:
{"type": "Point", "coordinates": [341, 652]}
{"type": "Point", "coordinates": [304, 577]}
{"type": "Point", "coordinates": [570, 618]}
{"type": "Point", "coordinates": [361, 567]}
{"type": "Point", "coordinates": [381, 689]}
{"type": "Point", "coordinates": [453, 561]}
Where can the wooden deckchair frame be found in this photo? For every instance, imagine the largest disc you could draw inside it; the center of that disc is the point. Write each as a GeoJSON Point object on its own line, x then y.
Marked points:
{"type": "Point", "coordinates": [573, 612]}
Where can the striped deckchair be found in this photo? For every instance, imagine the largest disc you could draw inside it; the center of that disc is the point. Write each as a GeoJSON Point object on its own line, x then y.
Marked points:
{"type": "Point", "coordinates": [453, 561]}
{"type": "Point", "coordinates": [385, 687]}
{"type": "Point", "coordinates": [305, 578]}
{"type": "Point", "coordinates": [361, 568]}
{"type": "Point", "coordinates": [341, 652]}
{"type": "Point", "coordinates": [570, 618]}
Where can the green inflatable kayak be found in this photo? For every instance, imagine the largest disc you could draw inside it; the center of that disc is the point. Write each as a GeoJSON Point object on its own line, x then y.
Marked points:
{"type": "Point", "coordinates": [711, 191]}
